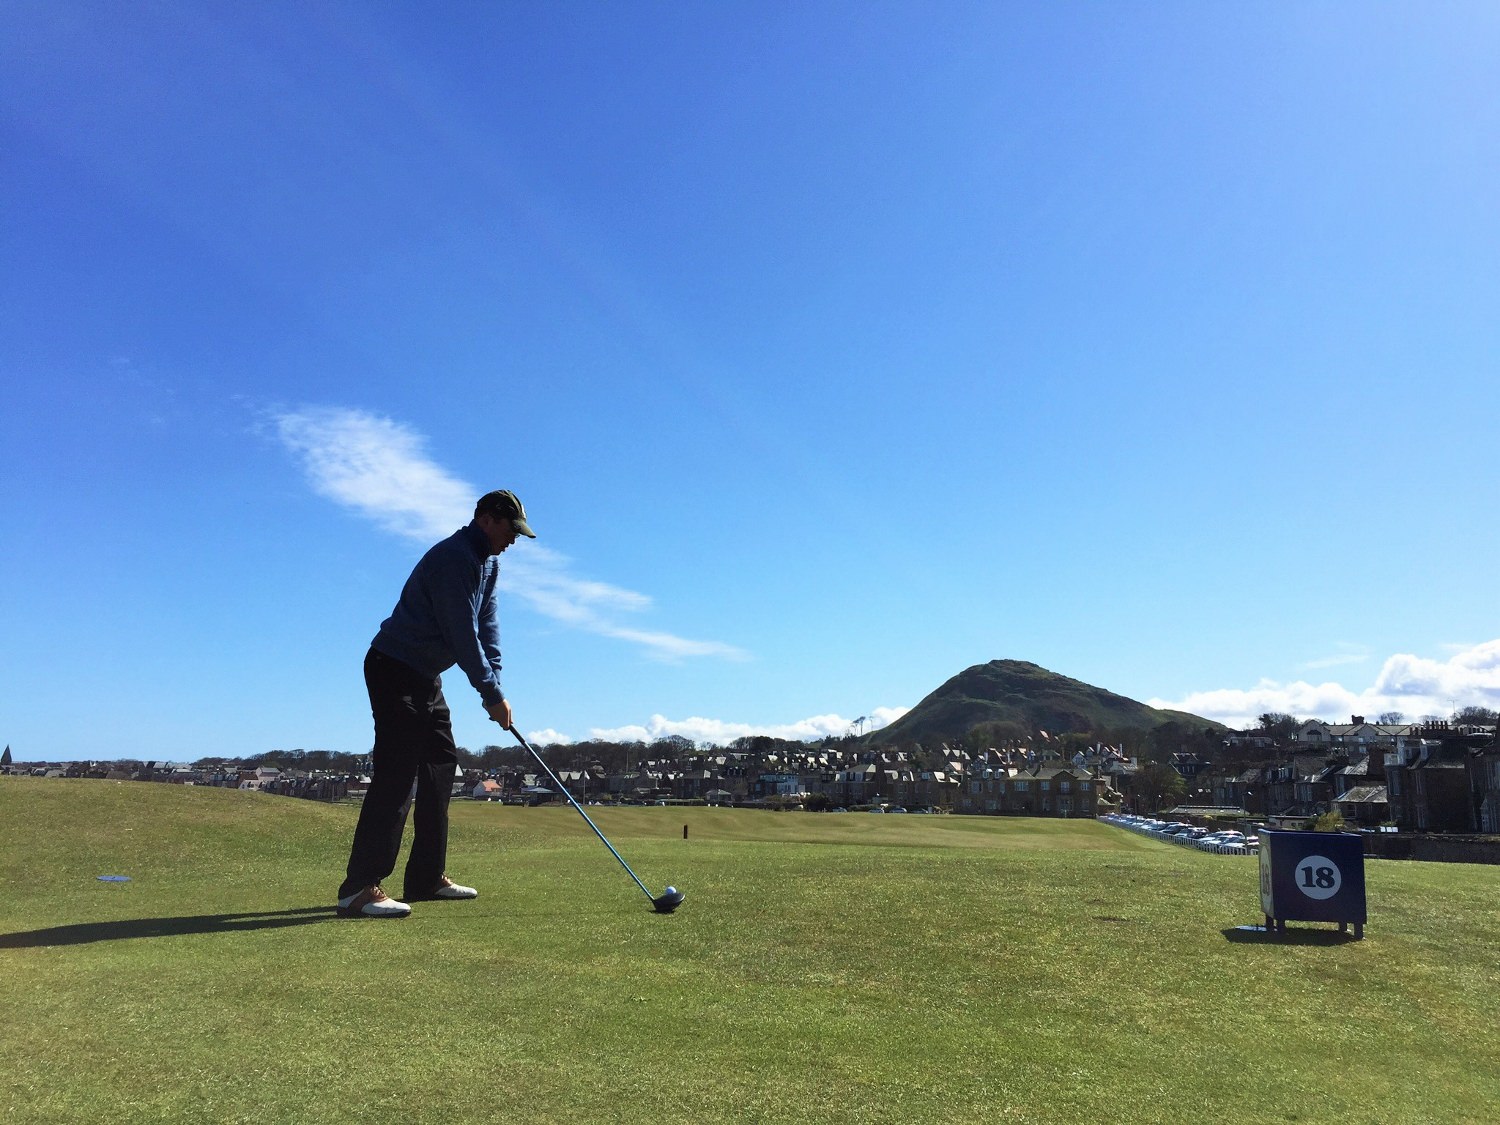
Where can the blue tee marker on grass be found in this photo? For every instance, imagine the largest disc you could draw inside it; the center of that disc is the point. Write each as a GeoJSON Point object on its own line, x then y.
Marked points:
{"type": "Point", "coordinates": [114, 878]}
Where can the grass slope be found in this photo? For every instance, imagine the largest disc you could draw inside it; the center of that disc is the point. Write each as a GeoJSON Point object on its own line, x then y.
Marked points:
{"type": "Point", "coordinates": [841, 968]}
{"type": "Point", "coordinates": [1016, 691]}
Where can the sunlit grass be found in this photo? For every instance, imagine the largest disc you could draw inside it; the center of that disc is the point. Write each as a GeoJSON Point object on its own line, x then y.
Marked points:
{"type": "Point", "coordinates": [824, 967]}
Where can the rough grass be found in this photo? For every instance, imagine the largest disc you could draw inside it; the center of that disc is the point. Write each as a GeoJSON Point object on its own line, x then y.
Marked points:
{"type": "Point", "coordinates": [847, 968]}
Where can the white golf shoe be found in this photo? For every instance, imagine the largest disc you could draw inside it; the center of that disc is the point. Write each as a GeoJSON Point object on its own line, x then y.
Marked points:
{"type": "Point", "coordinates": [372, 902]}
{"type": "Point", "coordinates": [447, 888]}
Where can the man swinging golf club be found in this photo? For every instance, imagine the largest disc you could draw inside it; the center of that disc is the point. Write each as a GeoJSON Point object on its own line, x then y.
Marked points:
{"type": "Point", "coordinates": [446, 615]}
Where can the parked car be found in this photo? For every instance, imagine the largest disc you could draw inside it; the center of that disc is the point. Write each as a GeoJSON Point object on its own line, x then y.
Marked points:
{"type": "Point", "coordinates": [1227, 836]}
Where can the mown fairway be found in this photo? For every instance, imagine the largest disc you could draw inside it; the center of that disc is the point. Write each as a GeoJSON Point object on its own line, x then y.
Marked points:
{"type": "Point", "coordinates": [824, 968]}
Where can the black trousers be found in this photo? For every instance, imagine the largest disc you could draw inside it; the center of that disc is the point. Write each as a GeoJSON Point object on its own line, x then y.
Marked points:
{"type": "Point", "coordinates": [413, 743]}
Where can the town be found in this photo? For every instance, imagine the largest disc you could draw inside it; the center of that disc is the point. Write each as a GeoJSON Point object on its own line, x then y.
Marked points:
{"type": "Point", "coordinates": [1430, 777]}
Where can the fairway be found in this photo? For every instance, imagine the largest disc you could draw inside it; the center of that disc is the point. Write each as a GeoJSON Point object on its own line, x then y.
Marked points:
{"type": "Point", "coordinates": [847, 968]}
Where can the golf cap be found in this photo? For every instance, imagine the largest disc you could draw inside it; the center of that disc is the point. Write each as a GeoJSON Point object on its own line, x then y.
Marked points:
{"type": "Point", "coordinates": [503, 504]}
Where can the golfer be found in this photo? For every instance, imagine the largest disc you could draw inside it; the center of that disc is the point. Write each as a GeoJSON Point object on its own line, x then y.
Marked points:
{"type": "Point", "coordinates": [446, 616]}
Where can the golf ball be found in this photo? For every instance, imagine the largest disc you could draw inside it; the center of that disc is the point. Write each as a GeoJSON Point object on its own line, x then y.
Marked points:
{"type": "Point", "coordinates": [671, 890]}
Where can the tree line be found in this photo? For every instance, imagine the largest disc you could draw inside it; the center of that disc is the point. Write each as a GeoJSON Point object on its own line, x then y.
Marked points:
{"type": "Point", "coordinates": [599, 754]}
{"type": "Point", "coordinates": [1156, 745]}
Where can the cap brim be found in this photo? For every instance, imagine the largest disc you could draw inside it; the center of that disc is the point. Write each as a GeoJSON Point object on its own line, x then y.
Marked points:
{"type": "Point", "coordinates": [523, 528]}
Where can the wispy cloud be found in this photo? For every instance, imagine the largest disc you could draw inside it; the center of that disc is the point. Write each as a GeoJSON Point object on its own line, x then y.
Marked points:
{"type": "Point", "coordinates": [1413, 685]}
{"type": "Point", "coordinates": [382, 470]}
{"type": "Point", "coordinates": [722, 732]}
{"type": "Point", "coordinates": [378, 468]}
{"type": "Point", "coordinates": [1346, 654]}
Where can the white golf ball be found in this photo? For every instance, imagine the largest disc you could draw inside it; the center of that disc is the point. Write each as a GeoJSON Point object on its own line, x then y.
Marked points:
{"type": "Point", "coordinates": [671, 890]}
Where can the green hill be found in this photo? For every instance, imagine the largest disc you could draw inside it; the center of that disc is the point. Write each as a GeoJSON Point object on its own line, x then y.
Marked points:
{"type": "Point", "coordinates": [1030, 696]}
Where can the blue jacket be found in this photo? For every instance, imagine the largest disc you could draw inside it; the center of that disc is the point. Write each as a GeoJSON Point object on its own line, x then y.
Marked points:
{"type": "Point", "coordinates": [446, 614]}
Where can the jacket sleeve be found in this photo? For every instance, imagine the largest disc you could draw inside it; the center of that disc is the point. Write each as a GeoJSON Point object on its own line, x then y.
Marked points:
{"type": "Point", "coordinates": [489, 625]}
{"type": "Point", "coordinates": [460, 605]}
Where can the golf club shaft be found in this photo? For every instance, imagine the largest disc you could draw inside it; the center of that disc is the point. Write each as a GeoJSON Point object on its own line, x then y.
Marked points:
{"type": "Point", "coordinates": [564, 789]}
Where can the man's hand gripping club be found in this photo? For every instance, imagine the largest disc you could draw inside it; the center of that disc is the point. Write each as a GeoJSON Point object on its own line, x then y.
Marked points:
{"type": "Point", "coordinates": [501, 713]}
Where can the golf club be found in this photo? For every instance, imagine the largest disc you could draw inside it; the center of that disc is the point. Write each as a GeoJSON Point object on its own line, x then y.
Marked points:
{"type": "Point", "coordinates": [669, 900]}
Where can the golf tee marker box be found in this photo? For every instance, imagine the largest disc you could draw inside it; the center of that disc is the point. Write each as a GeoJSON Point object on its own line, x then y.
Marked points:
{"type": "Point", "coordinates": [1312, 877]}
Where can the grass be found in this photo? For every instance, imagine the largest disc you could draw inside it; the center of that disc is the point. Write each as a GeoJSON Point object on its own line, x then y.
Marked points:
{"type": "Point", "coordinates": [832, 968]}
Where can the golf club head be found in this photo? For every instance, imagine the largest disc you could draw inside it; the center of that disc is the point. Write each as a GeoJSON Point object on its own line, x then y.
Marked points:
{"type": "Point", "coordinates": [668, 901]}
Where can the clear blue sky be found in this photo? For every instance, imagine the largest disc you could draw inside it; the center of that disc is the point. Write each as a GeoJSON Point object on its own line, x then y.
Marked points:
{"type": "Point", "coordinates": [832, 347]}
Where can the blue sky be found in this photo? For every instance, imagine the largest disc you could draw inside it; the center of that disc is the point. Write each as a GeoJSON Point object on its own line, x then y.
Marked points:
{"type": "Point", "coordinates": [833, 348]}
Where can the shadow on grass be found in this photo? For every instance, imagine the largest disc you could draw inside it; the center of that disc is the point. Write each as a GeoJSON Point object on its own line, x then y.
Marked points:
{"type": "Point", "coordinates": [1292, 935]}
{"type": "Point", "coordinates": [85, 932]}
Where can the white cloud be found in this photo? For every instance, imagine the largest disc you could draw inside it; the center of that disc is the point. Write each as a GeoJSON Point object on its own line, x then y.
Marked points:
{"type": "Point", "coordinates": [378, 468]}
{"type": "Point", "coordinates": [722, 732]}
{"type": "Point", "coordinates": [1346, 654]}
{"type": "Point", "coordinates": [1415, 686]}
{"type": "Point", "coordinates": [381, 470]}
{"type": "Point", "coordinates": [547, 737]}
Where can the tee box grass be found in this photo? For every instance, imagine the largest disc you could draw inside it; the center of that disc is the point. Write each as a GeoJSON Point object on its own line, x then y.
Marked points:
{"type": "Point", "coordinates": [844, 968]}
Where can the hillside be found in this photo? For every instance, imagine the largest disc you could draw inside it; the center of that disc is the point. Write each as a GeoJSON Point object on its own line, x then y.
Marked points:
{"type": "Point", "coordinates": [1019, 692]}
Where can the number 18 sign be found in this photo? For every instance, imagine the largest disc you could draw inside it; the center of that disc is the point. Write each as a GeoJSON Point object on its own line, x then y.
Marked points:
{"type": "Point", "coordinates": [1312, 877]}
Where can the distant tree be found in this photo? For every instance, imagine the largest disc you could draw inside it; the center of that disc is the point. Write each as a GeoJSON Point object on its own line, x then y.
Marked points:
{"type": "Point", "coordinates": [613, 757]}
{"type": "Point", "coordinates": [467, 759]}
{"type": "Point", "coordinates": [1328, 822]}
{"type": "Point", "coordinates": [754, 744]}
{"type": "Point", "coordinates": [1390, 718]}
{"type": "Point", "coordinates": [1072, 742]}
{"type": "Point", "coordinates": [817, 802]}
{"type": "Point", "coordinates": [1475, 717]}
{"type": "Point", "coordinates": [493, 757]}
{"type": "Point", "coordinates": [1132, 741]}
{"type": "Point", "coordinates": [1158, 785]}
{"type": "Point", "coordinates": [1279, 724]}
{"type": "Point", "coordinates": [1164, 741]}
{"type": "Point", "coordinates": [672, 746]}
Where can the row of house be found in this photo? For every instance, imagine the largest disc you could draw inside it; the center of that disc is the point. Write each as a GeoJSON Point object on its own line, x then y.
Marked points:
{"type": "Point", "coordinates": [1430, 777]}
{"type": "Point", "coordinates": [1014, 781]}
{"type": "Point", "coordinates": [323, 786]}
{"type": "Point", "coordinates": [1420, 777]}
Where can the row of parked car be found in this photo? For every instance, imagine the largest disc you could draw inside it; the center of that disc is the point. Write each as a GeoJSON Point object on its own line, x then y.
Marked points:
{"type": "Point", "coordinates": [1223, 842]}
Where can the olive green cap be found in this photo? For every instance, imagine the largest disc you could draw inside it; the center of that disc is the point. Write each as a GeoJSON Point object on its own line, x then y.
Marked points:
{"type": "Point", "coordinates": [504, 504]}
